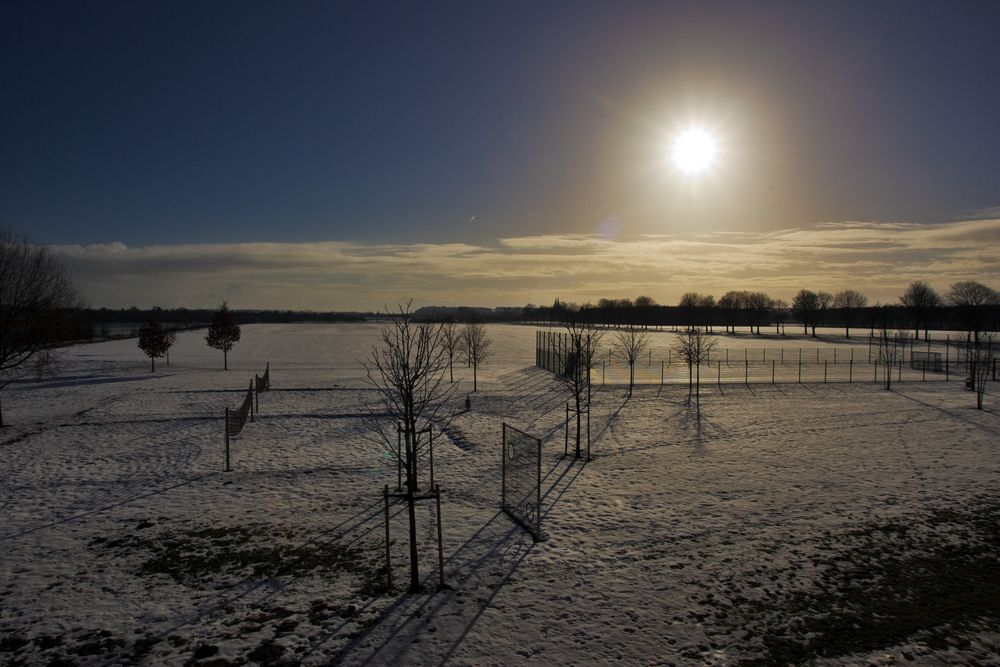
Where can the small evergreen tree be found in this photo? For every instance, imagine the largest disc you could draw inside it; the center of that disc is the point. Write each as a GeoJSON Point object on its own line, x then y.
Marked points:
{"type": "Point", "coordinates": [154, 342]}
{"type": "Point", "coordinates": [223, 333]}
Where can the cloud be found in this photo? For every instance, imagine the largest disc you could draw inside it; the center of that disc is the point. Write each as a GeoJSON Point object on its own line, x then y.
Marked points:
{"type": "Point", "coordinates": [879, 259]}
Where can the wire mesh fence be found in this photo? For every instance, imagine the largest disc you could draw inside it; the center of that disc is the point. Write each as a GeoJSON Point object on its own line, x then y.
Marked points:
{"type": "Point", "coordinates": [750, 365]}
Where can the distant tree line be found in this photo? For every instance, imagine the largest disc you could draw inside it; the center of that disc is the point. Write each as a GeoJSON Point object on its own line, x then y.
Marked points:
{"type": "Point", "coordinates": [966, 306]}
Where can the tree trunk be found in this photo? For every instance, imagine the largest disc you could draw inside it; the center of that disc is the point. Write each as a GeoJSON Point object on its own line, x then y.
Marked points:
{"type": "Point", "coordinates": [411, 488]}
{"type": "Point", "coordinates": [697, 389]}
{"type": "Point", "coordinates": [1, 414]}
{"type": "Point", "coordinates": [631, 377]}
{"type": "Point", "coordinates": [152, 362]}
{"type": "Point", "coordinates": [451, 370]}
{"type": "Point", "coordinates": [475, 384]}
{"type": "Point", "coordinates": [578, 425]}
{"type": "Point", "coordinates": [225, 361]}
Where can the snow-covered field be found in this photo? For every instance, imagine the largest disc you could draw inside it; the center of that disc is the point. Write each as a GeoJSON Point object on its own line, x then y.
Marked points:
{"type": "Point", "coordinates": [790, 521]}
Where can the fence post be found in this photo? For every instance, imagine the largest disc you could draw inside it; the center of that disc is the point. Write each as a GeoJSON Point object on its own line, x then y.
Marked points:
{"type": "Point", "coordinates": [824, 371]}
{"type": "Point", "coordinates": [746, 372]}
{"type": "Point", "coordinates": [876, 372]}
{"type": "Point", "coordinates": [256, 392]}
{"type": "Point", "coordinates": [850, 372]}
{"type": "Point", "coordinates": [661, 372]}
{"type": "Point", "coordinates": [772, 371]}
{"type": "Point", "coordinates": [503, 468]}
{"type": "Point", "coordinates": [603, 371]}
{"type": "Point", "coordinates": [718, 380]}
{"type": "Point", "coordinates": [437, 494]}
{"type": "Point", "coordinates": [800, 365]}
{"type": "Point", "coordinates": [250, 396]}
{"type": "Point", "coordinates": [947, 357]}
{"type": "Point", "coordinates": [388, 562]}
{"type": "Point", "coordinates": [538, 487]}
{"type": "Point", "coordinates": [227, 440]}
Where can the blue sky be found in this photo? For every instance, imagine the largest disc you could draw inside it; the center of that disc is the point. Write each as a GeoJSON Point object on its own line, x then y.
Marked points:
{"type": "Point", "coordinates": [144, 125]}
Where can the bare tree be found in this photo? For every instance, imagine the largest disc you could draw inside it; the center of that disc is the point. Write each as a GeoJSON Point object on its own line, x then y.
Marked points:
{"type": "Point", "coordinates": [973, 302]}
{"type": "Point", "coordinates": [921, 300]}
{"type": "Point", "coordinates": [847, 302]}
{"type": "Point", "coordinates": [644, 301]}
{"type": "Point", "coordinates": [223, 333]}
{"type": "Point", "coordinates": [35, 296]}
{"type": "Point", "coordinates": [698, 309]}
{"type": "Point", "coordinates": [578, 362]}
{"type": "Point", "coordinates": [986, 354]}
{"type": "Point", "coordinates": [779, 311]}
{"type": "Point", "coordinates": [731, 303]}
{"type": "Point", "coordinates": [629, 345]}
{"type": "Point", "coordinates": [805, 305]}
{"type": "Point", "coordinates": [891, 343]}
{"type": "Point", "coordinates": [695, 348]}
{"type": "Point", "coordinates": [476, 346]}
{"type": "Point", "coordinates": [757, 305]}
{"type": "Point", "coordinates": [406, 369]}
{"type": "Point", "coordinates": [154, 342]}
{"type": "Point", "coordinates": [451, 338]}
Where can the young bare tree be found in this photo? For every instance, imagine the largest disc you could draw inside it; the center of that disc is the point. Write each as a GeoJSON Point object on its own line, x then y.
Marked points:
{"type": "Point", "coordinates": [986, 355]}
{"type": "Point", "coordinates": [223, 333]}
{"type": "Point", "coordinates": [154, 342]}
{"type": "Point", "coordinates": [921, 299]}
{"type": "Point", "coordinates": [451, 339]}
{"type": "Point", "coordinates": [629, 345]}
{"type": "Point", "coordinates": [849, 301]}
{"type": "Point", "coordinates": [695, 348]}
{"type": "Point", "coordinates": [476, 346]}
{"type": "Point", "coordinates": [35, 295]}
{"type": "Point", "coordinates": [578, 362]}
{"type": "Point", "coordinates": [891, 344]}
{"type": "Point", "coordinates": [973, 302]}
{"type": "Point", "coordinates": [407, 369]}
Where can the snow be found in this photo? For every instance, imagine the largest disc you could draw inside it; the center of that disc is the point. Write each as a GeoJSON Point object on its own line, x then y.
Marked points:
{"type": "Point", "coordinates": [719, 540]}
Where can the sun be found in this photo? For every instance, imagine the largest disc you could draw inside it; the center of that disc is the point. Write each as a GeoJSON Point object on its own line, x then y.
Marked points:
{"type": "Point", "coordinates": [694, 150]}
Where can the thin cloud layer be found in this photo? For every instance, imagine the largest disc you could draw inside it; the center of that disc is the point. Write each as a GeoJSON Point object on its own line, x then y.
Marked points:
{"type": "Point", "coordinates": [878, 259]}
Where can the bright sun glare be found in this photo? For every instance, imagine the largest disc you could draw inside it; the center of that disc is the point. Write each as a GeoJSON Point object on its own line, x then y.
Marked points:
{"type": "Point", "coordinates": [694, 150]}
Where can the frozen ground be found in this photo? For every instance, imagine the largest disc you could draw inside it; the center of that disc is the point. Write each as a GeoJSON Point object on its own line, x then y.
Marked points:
{"type": "Point", "coordinates": [791, 521]}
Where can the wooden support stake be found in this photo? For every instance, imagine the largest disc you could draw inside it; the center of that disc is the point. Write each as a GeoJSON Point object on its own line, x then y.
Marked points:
{"type": "Point", "coordinates": [388, 562]}
{"type": "Point", "coordinates": [437, 494]}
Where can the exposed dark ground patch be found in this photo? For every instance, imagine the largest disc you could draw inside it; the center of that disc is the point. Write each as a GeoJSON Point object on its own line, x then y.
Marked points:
{"type": "Point", "coordinates": [930, 579]}
{"type": "Point", "coordinates": [203, 555]}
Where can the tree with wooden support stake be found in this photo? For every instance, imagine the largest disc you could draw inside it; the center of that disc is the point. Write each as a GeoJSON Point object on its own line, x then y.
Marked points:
{"type": "Point", "coordinates": [407, 368]}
